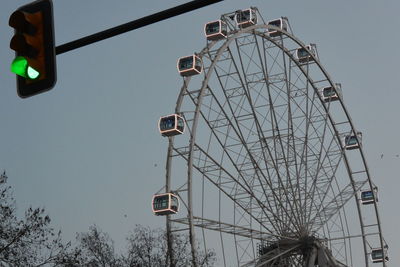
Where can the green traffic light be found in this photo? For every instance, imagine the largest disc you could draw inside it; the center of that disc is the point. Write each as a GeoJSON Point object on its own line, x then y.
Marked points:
{"type": "Point", "coordinates": [20, 67]}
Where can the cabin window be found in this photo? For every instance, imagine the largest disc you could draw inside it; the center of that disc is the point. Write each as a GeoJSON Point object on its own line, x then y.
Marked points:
{"type": "Point", "coordinates": [167, 123]}
{"type": "Point", "coordinates": [174, 203]}
{"type": "Point", "coordinates": [377, 254]}
{"type": "Point", "coordinates": [367, 195]}
{"type": "Point", "coordinates": [244, 16]}
{"type": "Point", "coordinates": [186, 63]}
{"type": "Point", "coordinates": [329, 92]}
{"type": "Point", "coordinates": [161, 203]}
{"type": "Point", "coordinates": [276, 23]}
{"type": "Point", "coordinates": [212, 27]}
{"type": "Point", "coordinates": [181, 124]}
{"type": "Point", "coordinates": [351, 140]}
{"type": "Point", "coordinates": [198, 64]}
{"type": "Point", "coordinates": [301, 53]}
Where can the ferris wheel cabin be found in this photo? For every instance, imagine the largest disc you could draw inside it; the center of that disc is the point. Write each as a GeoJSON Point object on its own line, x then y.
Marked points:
{"type": "Point", "coordinates": [190, 65]}
{"type": "Point", "coordinates": [280, 23]}
{"type": "Point", "coordinates": [352, 141]}
{"type": "Point", "coordinates": [379, 255]}
{"type": "Point", "coordinates": [246, 18]}
{"type": "Point", "coordinates": [329, 94]}
{"type": "Point", "coordinates": [368, 196]}
{"type": "Point", "coordinates": [171, 125]}
{"type": "Point", "coordinates": [306, 54]}
{"type": "Point", "coordinates": [216, 30]}
{"type": "Point", "coordinates": [165, 204]}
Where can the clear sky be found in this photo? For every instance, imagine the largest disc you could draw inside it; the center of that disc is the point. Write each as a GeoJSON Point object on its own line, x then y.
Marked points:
{"type": "Point", "coordinates": [89, 150]}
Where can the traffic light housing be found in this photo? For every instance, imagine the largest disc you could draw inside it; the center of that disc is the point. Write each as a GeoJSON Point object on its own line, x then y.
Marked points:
{"type": "Point", "coordinates": [33, 42]}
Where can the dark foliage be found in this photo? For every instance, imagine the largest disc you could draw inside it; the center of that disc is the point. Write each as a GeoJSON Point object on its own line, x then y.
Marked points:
{"type": "Point", "coordinates": [31, 241]}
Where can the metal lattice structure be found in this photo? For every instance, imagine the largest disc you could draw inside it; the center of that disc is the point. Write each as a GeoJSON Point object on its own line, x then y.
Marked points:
{"type": "Point", "coordinates": [262, 171]}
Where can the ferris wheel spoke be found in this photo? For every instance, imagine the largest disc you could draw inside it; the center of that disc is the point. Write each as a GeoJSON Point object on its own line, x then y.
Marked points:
{"type": "Point", "coordinates": [312, 112]}
{"type": "Point", "coordinates": [291, 150]}
{"type": "Point", "coordinates": [325, 170]}
{"type": "Point", "coordinates": [233, 111]}
{"type": "Point", "coordinates": [332, 207]}
{"type": "Point", "coordinates": [331, 169]}
{"type": "Point", "coordinates": [322, 181]}
{"type": "Point", "coordinates": [290, 158]}
{"type": "Point", "coordinates": [271, 80]}
{"type": "Point", "coordinates": [305, 146]}
{"type": "Point", "coordinates": [230, 157]}
{"type": "Point", "coordinates": [260, 134]}
{"type": "Point", "coordinates": [318, 197]}
{"type": "Point", "coordinates": [318, 182]}
{"type": "Point", "coordinates": [291, 135]}
{"type": "Point", "coordinates": [227, 182]}
{"type": "Point", "coordinates": [311, 174]}
{"type": "Point", "coordinates": [290, 121]}
{"type": "Point", "coordinates": [307, 82]}
{"type": "Point", "coordinates": [307, 152]}
{"type": "Point", "coordinates": [279, 146]}
{"type": "Point", "coordinates": [209, 166]}
{"type": "Point", "coordinates": [309, 167]}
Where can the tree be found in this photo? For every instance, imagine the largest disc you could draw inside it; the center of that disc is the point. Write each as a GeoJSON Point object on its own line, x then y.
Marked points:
{"type": "Point", "coordinates": [29, 241]}
{"type": "Point", "coordinates": [95, 248]}
{"type": "Point", "coordinates": [147, 247]}
{"type": "Point", "coordinates": [32, 242]}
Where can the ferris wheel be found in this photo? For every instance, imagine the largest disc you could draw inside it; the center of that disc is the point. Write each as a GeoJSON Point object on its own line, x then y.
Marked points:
{"type": "Point", "coordinates": [264, 164]}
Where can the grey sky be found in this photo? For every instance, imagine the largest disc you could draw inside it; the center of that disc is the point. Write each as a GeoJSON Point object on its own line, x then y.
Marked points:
{"type": "Point", "coordinates": [89, 150]}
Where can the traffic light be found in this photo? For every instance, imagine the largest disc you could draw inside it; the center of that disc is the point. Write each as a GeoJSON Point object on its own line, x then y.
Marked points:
{"type": "Point", "coordinates": [33, 42]}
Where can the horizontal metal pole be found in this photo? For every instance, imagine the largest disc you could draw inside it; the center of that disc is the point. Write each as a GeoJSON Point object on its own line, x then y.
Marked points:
{"type": "Point", "coordinates": [166, 14]}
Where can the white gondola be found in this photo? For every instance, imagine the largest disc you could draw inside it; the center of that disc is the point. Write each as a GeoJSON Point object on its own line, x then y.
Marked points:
{"type": "Point", "coordinates": [329, 94]}
{"type": "Point", "coordinates": [246, 17]}
{"type": "Point", "coordinates": [304, 55]}
{"type": "Point", "coordinates": [379, 255]}
{"type": "Point", "coordinates": [165, 204]}
{"type": "Point", "coordinates": [352, 141]}
{"type": "Point", "coordinates": [190, 65]}
{"type": "Point", "coordinates": [280, 23]}
{"type": "Point", "coordinates": [216, 30]}
{"type": "Point", "coordinates": [369, 196]}
{"type": "Point", "coordinates": [171, 125]}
